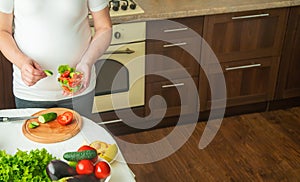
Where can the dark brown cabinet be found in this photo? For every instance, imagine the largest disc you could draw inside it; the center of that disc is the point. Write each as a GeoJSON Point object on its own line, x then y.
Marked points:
{"type": "Point", "coordinates": [6, 94]}
{"type": "Point", "coordinates": [172, 65]}
{"type": "Point", "coordinates": [248, 47]}
{"type": "Point", "coordinates": [247, 82]}
{"type": "Point", "coordinates": [246, 35]}
{"type": "Point", "coordinates": [289, 76]}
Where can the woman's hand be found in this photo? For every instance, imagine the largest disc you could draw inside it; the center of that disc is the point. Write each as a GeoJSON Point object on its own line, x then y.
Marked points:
{"type": "Point", "coordinates": [31, 73]}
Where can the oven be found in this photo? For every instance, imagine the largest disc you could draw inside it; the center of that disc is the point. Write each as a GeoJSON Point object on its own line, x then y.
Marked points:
{"type": "Point", "coordinates": [120, 81]}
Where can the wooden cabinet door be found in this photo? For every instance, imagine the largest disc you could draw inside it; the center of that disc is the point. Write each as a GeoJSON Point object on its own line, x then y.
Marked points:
{"type": "Point", "coordinates": [246, 35]}
{"type": "Point", "coordinates": [175, 40]}
{"type": "Point", "coordinates": [6, 94]}
{"type": "Point", "coordinates": [172, 60]}
{"type": "Point", "coordinates": [172, 69]}
{"type": "Point", "coordinates": [247, 81]}
{"type": "Point", "coordinates": [179, 96]}
{"type": "Point", "coordinates": [289, 74]}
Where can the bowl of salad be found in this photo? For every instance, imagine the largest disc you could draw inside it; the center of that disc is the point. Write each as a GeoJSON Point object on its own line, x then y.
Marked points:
{"type": "Point", "coordinates": [69, 79]}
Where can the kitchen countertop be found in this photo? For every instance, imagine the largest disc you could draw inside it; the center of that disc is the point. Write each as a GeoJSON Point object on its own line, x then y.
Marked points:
{"type": "Point", "coordinates": [167, 9]}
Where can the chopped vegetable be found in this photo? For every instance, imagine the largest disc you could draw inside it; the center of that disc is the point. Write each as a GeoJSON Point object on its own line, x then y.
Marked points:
{"type": "Point", "coordinates": [65, 118]}
{"type": "Point", "coordinates": [48, 72]}
{"type": "Point", "coordinates": [44, 118]}
{"type": "Point", "coordinates": [33, 124]}
{"type": "Point", "coordinates": [69, 79]}
{"type": "Point", "coordinates": [63, 68]}
{"type": "Point", "coordinates": [25, 166]}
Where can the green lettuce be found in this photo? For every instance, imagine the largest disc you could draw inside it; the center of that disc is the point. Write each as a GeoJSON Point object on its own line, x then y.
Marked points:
{"type": "Point", "coordinates": [25, 166]}
{"type": "Point", "coordinates": [62, 68]}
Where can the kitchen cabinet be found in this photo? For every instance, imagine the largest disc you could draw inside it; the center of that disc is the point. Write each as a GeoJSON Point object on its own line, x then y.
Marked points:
{"type": "Point", "coordinates": [246, 35]}
{"type": "Point", "coordinates": [289, 77]}
{"type": "Point", "coordinates": [247, 82]}
{"type": "Point", "coordinates": [248, 47]}
{"type": "Point", "coordinates": [173, 51]}
{"type": "Point", "coordinates": [174, 95]}
{"type": "Point", "coordinates": [6, 94]}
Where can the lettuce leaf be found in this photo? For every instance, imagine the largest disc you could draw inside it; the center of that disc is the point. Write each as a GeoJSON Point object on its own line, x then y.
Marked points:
{"type": "Point", "coordinates": [25, 166]}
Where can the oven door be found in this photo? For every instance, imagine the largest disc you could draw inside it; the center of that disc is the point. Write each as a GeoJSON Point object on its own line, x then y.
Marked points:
{"type": "Point", "coordinates": [120, 78]}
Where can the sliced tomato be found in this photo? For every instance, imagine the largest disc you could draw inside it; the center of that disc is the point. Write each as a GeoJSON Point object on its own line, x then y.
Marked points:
{"type": "Point", "coordinates": [65, 118]}
{"type": "Point", "coordinates": [74, 82]}
{"type": "Point", "coordinates": [65, 74]}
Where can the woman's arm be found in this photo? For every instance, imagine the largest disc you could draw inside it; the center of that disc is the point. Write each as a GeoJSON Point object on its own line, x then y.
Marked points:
{"type": "Point", "coordinates": [98, 45]}
{"type": "Point", "coordinates": [30, 70]}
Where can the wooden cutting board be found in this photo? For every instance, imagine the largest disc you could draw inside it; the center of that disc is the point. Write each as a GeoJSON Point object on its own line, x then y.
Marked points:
{"type": "Point", "coordinates": [52, 131]}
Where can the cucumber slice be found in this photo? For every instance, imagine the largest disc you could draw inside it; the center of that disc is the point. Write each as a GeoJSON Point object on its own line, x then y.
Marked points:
{"type": "Point", "coordinates": [33, 124]}
{"type": "Point", "coordinates": [44, 118]}
{"type": "Point", "coordinates": [48, 72]}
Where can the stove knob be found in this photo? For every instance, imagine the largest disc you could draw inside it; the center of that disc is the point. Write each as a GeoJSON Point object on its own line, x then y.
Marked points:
{"type": "Point", "coordinates": [132, 5]}
{"type": "Point", "coordinates": [117, 35]}
{"type": "Point", "coordinates": [116, 5]}
{"type": "Point", "coordinates": [115, 8]}
{"type": "Point", "coordinates": [124, 7]}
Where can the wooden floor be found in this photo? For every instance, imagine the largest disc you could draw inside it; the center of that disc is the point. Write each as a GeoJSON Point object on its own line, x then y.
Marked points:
{"type": "Point", "coordinates": [252, 147]}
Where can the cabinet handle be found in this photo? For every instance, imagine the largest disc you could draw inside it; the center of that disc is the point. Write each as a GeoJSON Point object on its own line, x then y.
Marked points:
{"type": "Point", "coordinates": [176, 44]}
{"type": "Point", "coordinates": [173, 85]}
{"type": "Point", "coordinates": [242, 67]}
{"type": "Point", "coordinates": [250, 16]}
{"type": "Point", "coordinates": [109, 122]}
{"type": "Point", "coordinates": [175, 30]}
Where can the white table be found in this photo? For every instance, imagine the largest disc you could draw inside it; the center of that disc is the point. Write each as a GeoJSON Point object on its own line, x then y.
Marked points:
{"type": "Point", "coordinates": [12, 138]}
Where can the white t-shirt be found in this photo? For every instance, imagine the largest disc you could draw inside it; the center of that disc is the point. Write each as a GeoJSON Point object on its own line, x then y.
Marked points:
{"type": "Point", "coordinates": [52, 32]}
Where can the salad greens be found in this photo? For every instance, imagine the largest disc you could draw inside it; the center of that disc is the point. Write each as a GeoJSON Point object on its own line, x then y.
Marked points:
{"type": "Point", "coordinates": [25, 166]}
{"type": "Point", "coordinates": [62, 68]}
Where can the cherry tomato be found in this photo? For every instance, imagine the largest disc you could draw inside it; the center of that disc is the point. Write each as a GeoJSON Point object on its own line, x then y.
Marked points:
{"type": "Point", "coordinates": [87, 147]}
{"type": "Point", "coordinates": [84, 167]}
{"type": "Point", "coordinates": [65, 118]}
{"type": "Point", "coordinates": [102, 170]}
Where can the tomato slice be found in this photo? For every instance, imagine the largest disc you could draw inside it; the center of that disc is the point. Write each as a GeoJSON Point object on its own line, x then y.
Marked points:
{"type": "Point", "coordinates": [65, 74]}
{"type": "Point", "coordinates": [65, 118]}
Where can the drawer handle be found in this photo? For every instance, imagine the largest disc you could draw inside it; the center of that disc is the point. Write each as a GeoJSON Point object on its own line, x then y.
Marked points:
{"type": "Point", "coordinates": [175, 30]}
{"type": "Point", "coordinates": [173, 85]}
{"type": "Point", "coordinates": [242, 67]}
{"type": "Point", "coordinates": [109, 122]}
{"type": "Point", "coordinates": [250, 16]}
{"type": "Point", "coordinates": [176, 44]}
